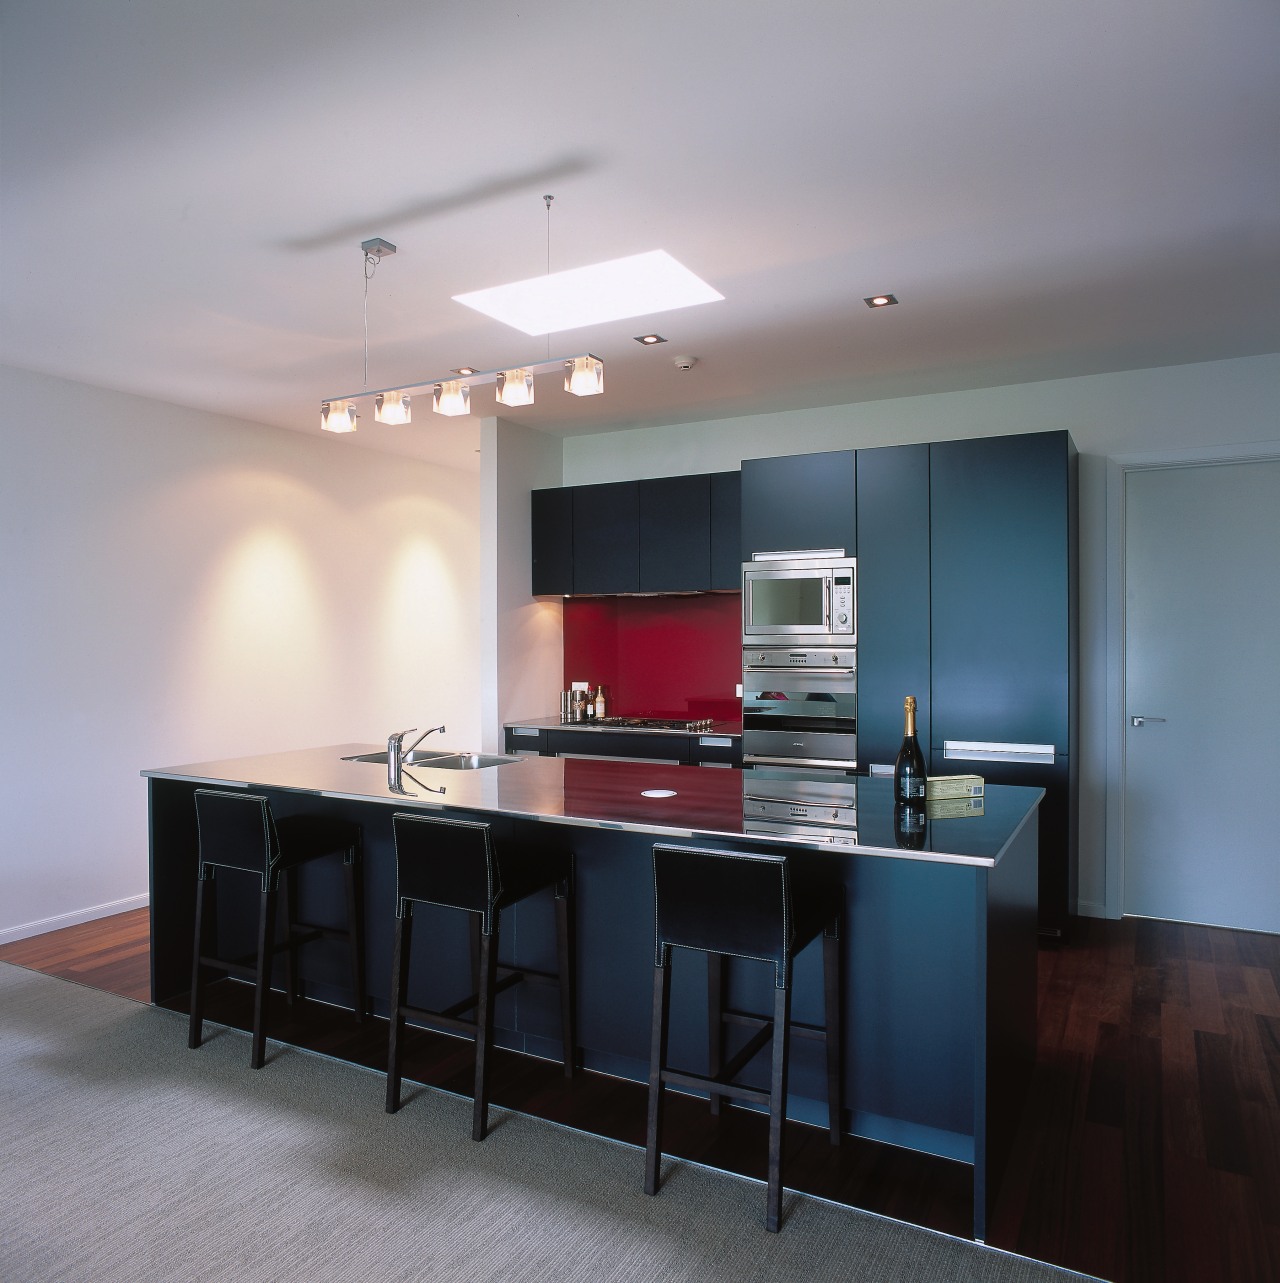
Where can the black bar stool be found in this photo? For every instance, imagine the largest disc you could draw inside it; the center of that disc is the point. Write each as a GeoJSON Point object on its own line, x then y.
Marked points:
{"type": "Point", "coordinates": [454, 863]}
{"type": "Point", "coordinates": [730, 903]}
{"type": "Point", "coordinates": [238, 831]}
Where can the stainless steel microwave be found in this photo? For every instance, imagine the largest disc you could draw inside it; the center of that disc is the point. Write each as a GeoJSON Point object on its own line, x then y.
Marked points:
{"type": "Point", "coordinates": [809, 596]}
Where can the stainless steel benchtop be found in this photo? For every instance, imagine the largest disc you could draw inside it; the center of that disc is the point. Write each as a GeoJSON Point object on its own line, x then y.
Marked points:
{"type": "Point", "coordinates": [610, 795]}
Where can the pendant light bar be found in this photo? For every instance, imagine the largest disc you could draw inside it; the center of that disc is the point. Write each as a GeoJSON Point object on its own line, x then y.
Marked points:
{"type": "Point", "coordinates": [574, 369]}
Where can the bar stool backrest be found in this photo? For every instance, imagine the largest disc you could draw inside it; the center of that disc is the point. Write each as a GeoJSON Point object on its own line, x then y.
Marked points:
{"type": "Point", "coordinates": [237, 831]}
{"type": "Point", "coordinates": [728, 902]}
{"type": "Point", "coordinates": [445, 861]}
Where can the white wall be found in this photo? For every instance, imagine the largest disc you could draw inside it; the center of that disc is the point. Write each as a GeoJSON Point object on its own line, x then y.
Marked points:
{"type": "Point", "coordinates": [1168, 412]}
{"type": "Point", "coordinates": [522, 640]}
{"type": "Point", "coordinates": [179, 587]}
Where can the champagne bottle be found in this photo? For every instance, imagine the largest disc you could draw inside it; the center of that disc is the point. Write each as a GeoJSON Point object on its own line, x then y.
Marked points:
{"type": "Point", "coordinates": [908, 770]}
{"type": "Point", "coordinates": [910, 825]}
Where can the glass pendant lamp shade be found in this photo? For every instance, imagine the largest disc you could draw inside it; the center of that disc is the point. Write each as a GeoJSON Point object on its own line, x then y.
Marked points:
{"type": "Point", "coordinates": [392, 407]}
{"type": "Point", "coordinates": [584, 376]}
{"type": "Point", "coordinates": [338, 416]}
{"type": "Point", "coordinates": [452, 398]}
{"type": "Point", "coordinates": [515, 387]}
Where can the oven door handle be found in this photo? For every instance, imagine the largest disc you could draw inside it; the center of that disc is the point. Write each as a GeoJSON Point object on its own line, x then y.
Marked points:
{"type": "Point", "coordinates": [801, 668]}
{"type": "Point", "coordinates": [826, 603]}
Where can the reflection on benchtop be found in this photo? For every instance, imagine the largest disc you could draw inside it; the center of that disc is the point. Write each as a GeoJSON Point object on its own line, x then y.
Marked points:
{"type": "Point", "coordinates": [609, 794]}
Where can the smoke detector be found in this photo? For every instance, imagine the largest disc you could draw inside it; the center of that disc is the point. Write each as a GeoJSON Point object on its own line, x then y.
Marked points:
{"type": "Point", "coordinates": [684, 362]}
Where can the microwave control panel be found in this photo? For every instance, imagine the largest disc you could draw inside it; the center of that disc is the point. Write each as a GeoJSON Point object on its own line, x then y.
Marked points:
{"type": "Point", "coordinates": [842, 603]}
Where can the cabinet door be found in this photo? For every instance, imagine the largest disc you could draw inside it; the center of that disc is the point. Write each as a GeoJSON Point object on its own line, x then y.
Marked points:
{"type": "Point", "coordinates": [606, 538]}
{"type": "Point", "coordinates": [893, 598]}
{"type": "Point", "coordinates": [619, 744]}
{"type": "Point", "coordinates": [1000, 584]}
{"type": "Point", "coordinates": [799, 501]}
{"type": "Point", "coordinates": [675, 534]}
{"type": "Point", "coordinates": [726, 530]}
{"type": "Point", "coordinates": [1056, 827]}
{"type": "Point", "coordinates": [551, 528]}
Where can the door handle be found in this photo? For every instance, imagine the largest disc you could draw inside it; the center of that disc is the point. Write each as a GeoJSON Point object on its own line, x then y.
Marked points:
{"type": "Point", "coordinates": [1142, 721]}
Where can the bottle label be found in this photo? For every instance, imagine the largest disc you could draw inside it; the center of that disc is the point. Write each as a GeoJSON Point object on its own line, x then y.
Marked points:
{"type": "Point", "coordinates": [913, 789]}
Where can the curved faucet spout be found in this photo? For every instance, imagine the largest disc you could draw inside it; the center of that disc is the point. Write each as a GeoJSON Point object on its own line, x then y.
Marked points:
{"type": "Point", "coordinates": [421, 737]}
{"type": "Point", "coordinates": [396, 753]}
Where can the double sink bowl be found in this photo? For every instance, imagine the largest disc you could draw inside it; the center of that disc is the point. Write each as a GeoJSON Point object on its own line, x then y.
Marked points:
{"type": "Point", "coordinates": [439, 760]}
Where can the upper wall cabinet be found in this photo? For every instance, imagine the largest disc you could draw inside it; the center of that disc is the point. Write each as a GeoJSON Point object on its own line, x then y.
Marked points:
{"type": "Point", "coordinates": [726, 530]}
{"type": "Point", "coordinates": [675, 534]}
{"type": "Point", "coordinates": [800, 501]}
{"type": "Point", "coordinates": [551, 521]}
{"type": "Point", "coordinates": [606, 538]}
{"type": "Point", "coordinates": [666, 534]}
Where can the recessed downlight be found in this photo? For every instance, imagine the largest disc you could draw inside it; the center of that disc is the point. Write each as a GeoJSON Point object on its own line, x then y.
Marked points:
{"type": "Point", "coordinates": [648, 340]}
{"type": "Point", "coordinates": [464, 370]}
{"type": "Point", "coordinates": [880, 300]}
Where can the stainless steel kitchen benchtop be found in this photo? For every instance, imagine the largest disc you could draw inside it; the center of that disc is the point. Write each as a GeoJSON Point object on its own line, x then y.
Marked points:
{"type": "Point", "coordinates": [609, 795]}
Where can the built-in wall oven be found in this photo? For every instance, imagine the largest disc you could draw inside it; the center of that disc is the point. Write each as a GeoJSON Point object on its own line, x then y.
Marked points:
{"type": "Point", "coordinates": [800, 707]}
{"type": "Point", "coordinates": [811, 805]}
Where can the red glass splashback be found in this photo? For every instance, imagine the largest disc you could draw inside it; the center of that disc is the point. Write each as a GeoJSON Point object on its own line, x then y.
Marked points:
{"type": "Point", "coordinates": [658, 656]}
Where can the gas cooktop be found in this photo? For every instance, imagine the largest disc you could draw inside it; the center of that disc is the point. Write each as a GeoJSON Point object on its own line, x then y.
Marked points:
{"type": "Point", "coordinates": [655, 723]}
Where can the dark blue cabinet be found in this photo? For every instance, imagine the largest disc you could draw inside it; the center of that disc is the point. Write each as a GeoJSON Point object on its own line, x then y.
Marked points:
{"type": "Point", "coordinates": [675, 534]}
{"type": "Point", "coordinates": [1003, 627]}
{"type": "Point", "coordinates": [1000, 589]}
{"type": "Point", "coordinates": [893, 598]}
{"type": "Point", "coordinates": [551, 531]}
{"type": "Point", "coordinates": [726, 530]}
{"type": "Point", "coordinates": [800, 501]}
{"type": "Point", "coordinates": [606, 537]}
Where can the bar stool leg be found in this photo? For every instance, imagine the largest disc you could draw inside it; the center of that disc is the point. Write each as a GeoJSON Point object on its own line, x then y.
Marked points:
{"type": "Point", "coordinates": [834, 1033]}
{"type": "Point", "coordinates": [399, 984]}
{"type": "Point", "coordinates": [354, 878]}
{"type": "Point", "coordinates": [657, 1063]}
{"type": "Point", "coordinates": [715, 1022]}
{"type": "Point", "coordinates": [289, 896]}
{"type": "Point", "coordinates": [777, 1105]}
{"type": "Point", "coordinates": [266, 924]}
{"type": "Point", "coordinates": [484, 1029]}
{"type": "Point", "coordinates": [565, 948]}
{"type": "Point", "coordinates": [195, 1027]}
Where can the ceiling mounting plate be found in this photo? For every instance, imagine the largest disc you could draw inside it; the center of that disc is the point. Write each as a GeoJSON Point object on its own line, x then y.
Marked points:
{"type": "Point", "coordinates": [377, 247]}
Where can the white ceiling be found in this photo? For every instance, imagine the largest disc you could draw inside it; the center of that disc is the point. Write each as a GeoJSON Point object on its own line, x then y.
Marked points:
{"type": "Point", "coordinates": [1051, 188]}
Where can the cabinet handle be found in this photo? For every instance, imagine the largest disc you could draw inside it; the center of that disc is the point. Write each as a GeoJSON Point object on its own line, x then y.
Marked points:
{"type": "Point", "coordinates": [983, 751]}
{"type": "Point", "coordinates": [1142, 721]}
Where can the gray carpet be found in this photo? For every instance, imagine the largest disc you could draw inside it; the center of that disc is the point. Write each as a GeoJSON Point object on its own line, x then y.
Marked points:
{"type": "Point", "coordinates": [128, 1157]}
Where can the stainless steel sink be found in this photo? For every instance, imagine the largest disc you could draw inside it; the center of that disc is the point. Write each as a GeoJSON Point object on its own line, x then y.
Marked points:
{"type": "Point", "coordinates": [439, 759]}
{"type": "Point", "coordinates": [419, 757]}
{"type": "Point", "coordinates": [471, 761]}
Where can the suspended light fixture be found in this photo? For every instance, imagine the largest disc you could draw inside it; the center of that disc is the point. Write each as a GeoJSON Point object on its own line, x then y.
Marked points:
{"type": "Point", "coordinates": [584, 376]}
{"type": "Point", "coordinates": [338, 416]}
{"type": "Point", "coordinates": [452, 397]}
{"type": "Point", "coordinates": [393, 407]}
{"type": "Point", "coordinates": [515, 387]}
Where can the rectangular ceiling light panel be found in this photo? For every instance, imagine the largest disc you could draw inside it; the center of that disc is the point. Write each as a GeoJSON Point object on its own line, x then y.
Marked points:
{"type": "Point", "coordinates": [612, 291]}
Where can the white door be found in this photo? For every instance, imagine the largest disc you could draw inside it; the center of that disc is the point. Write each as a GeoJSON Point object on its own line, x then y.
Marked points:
{"type": "Point", "coordinates": [1202, 694]}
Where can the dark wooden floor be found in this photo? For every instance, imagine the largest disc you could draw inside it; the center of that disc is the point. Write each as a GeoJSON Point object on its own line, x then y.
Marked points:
{"type": "Point", "coordinates": [1149, 1151]}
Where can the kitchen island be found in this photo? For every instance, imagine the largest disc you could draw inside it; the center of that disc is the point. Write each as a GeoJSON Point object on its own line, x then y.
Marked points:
{"type": "Point", "coordinates": [939, 943]}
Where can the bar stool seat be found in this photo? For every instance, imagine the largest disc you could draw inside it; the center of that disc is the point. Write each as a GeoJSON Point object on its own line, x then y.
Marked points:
{"type": "Point", "coordinates": [737, 904]}
{"type": "Point", "coordinates": [238, 831]}
{"type": "Point", "coordinates": [455, 864]}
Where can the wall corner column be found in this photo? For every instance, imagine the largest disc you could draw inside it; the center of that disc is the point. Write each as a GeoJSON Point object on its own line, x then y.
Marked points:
{"type": "Point", "coordinates": [522, 640]}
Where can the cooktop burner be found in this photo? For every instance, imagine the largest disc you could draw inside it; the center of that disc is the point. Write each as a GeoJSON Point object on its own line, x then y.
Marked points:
{"type": "Point", "coordinates": [657, 723]}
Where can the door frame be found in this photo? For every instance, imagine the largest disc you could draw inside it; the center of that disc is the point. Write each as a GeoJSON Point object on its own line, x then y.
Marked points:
{"type": "Point", "coordinates": [1118, 468]}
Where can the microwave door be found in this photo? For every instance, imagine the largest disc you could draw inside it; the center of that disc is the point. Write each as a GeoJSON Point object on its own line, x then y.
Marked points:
{"type": "Point", "coordinates": [787, 603]}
